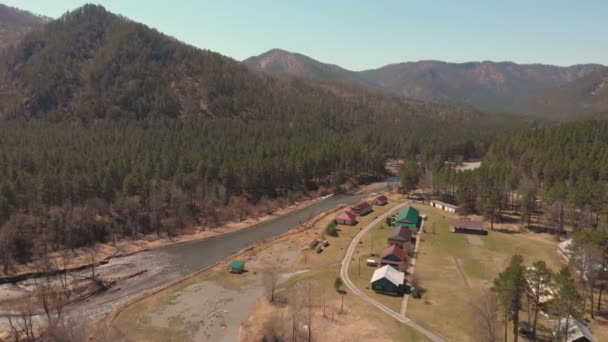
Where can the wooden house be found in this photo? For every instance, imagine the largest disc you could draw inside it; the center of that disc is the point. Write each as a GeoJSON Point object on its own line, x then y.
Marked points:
{"type": "Point", "coordinates": [467, 226]}
{"type": "Point", "coordinates": [388, 280]}
{"type": "Point", "coordinates": [408, 217]}
{"type": "Point", "coordinates": [399, 236]}
{"type": "Point", "coordinates": [380, 200]}
{"type": "Point", "coordinates": [395, 257]}
{"type": "Point", "coordinates": [347, 218]}
{"type": "Point", "coordinates": [362, 209]}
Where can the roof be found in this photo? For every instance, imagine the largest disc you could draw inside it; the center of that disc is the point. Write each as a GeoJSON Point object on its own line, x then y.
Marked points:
{"type": "Point", "coordinates": [382, 198]}
{"type": "Point", "coordinates": [408, 215]}
{"type": "Point", "coordinates": [394, 250]}
{"type": "Point", "coordinates": [445, 204]}
{"type": "Point", "coordinates": [576, 329]}
{"type": "Point", "coordinates": [237, 264]}
{"type": "Point", "coordinates": [390, 274]}
{"type": "Point", "coordinates": [361, 206]}
{"type": "Point", "coordinates": [400, 233]}
{"type": "Point", "coordinates": [467, 224]}
{"type": "Point", "coordinates": [347, 215]}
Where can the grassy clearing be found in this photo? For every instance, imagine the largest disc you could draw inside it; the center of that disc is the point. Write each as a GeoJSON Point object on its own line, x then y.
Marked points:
{"type": "Point", "coordinates": [445, 304]}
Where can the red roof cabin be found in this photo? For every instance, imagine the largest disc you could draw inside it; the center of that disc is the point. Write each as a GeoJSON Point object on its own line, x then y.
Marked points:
{"type": "Point", "coordinates": [380, 200]}
{"type": "Point", "coordinates": [396, 257]}
{"type": "Point", "coordinates": [362, 209]}
{"type": "Point", "coordinates": [347, 218]}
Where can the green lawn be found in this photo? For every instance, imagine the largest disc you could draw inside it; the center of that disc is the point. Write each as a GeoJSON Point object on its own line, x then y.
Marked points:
{"type": "Point", "coordinates": [446, 300]}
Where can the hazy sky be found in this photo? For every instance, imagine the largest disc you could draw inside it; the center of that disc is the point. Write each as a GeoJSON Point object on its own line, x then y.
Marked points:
{"type": "Point", "coordinates": [368, 34]}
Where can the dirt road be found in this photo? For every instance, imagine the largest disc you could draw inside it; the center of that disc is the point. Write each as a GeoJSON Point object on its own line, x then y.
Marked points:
{"type": "Point", "coordinates": [172, 262]}
{"type": "Point", "coordinates": [344, 275]}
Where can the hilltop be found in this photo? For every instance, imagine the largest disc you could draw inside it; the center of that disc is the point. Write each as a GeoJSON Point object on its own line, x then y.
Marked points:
{"type": "Point", "coordinates": [488, 85]}
{"type": "Point", "coordinates": [15, 24]}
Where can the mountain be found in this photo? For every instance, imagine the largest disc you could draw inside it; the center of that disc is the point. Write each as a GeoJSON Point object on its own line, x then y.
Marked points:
{"type": "Point", "coordinates": [15, 24]}
{"type": "Point", "coordinates": [583, 98]}
{"type": "Point", "coordinates": [92, 64]}
{"type": "Point", "coordinates": [488, 85]}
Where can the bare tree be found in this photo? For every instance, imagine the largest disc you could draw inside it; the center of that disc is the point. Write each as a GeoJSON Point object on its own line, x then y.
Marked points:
{"type": "Point", "coordinates": [271, 280]}
{"type": "Point", "coordinates": [484, 310]}
{"type": "Point", "coordinates": [306, 288]}
{"type": "Point", "coordinates": [590, 260]}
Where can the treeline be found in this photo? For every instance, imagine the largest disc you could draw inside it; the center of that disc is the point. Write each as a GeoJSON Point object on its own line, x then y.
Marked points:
{"type": "Point", "coordinates": [68, 184]}
{"type": "Point", "coordinates": [565, 166]}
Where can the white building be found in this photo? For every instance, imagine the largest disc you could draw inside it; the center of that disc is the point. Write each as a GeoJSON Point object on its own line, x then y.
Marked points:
{"type": "Point", "coordinates": [444, 206]}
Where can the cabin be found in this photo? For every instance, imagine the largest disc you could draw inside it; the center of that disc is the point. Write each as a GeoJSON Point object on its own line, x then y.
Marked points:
{"type": "Point", "coordinates": [395, 257]}
{"type": "Point", "coordinates": [362, 209]}
{"type": "Point", "coordinates": [380, 200]}
{"type": "Point", "coordinates": [347, 218]}
{"type": "Point", "coordinates": [387, 280]}
{"type": "Point", "coordinates": [237, 266]}
{"type": "Point", "coordinates": [399, 236]}
{"type": "Point", "coordinates": [467, 226]}
{"type": "Point", "coordinates": [572, 330]}
{"type": "Point", "coordinates": [408, 217]}
{"type": "Point", "coordinates": [450, 208]}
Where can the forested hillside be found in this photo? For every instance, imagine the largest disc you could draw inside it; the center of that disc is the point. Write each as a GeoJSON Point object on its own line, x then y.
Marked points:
{"type": "Point", "coordinates": [565, 166]}
{"type": "Point", "coordinates": [110, 130]}
{"type": "Point", "coordinates": [15, 24]}
{"type": "Point", "coordinates": [584, 98]}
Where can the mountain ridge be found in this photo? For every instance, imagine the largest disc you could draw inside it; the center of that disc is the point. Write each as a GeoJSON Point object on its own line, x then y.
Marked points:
{"type": "Point", "coordinates": [486, 84]}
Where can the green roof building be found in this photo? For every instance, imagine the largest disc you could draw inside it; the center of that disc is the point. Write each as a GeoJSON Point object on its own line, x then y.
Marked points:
{"type": "Point", "coordinates": [237, 266]}
{"type": "Point", "coordinates": [408, 217]}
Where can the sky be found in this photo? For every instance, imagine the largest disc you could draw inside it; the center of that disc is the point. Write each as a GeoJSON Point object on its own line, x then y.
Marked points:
{"type": "Point", "coordinates": [361, 35]}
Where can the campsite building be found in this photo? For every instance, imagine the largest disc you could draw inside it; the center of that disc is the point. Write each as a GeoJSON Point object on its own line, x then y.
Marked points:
{"type": "Point", "coordinates": [444, 206]}
{"type": "Point", "coordinates": [576, 331]}
{"type": "Point", "coordinates": [348, 218]}
{"type": "Point", "coordinates": [467, 226]}
{"type": "Point", "coordinates": [380, 200]}
{"type": "Point", "coordinates": [395, 257]}
{"type": "Point", "coordinates": [399, 236]}
{"type": "Point", "coordinates": [388, 280]}
{"type": "Point", "coordinates": [237, 266]}
{"type": "Point", "coordinates": [362, 209]}
{"type": "Point", "coordinates": [408, 217]}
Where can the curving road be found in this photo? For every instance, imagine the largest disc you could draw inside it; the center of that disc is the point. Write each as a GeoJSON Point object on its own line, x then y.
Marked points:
{"type": "Point", "coordinates": [344, 275]}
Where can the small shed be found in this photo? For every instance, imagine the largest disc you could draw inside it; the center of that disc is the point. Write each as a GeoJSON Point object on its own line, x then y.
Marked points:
{"type": "Point", "coordinates": [399, 236]}
{"type": "Point", "coordinates": [372, 262]}
{"type": "Point", "coordinates": [408, 217]}
{"type": "Point", "coordinates": [395, 257]}
{"type": "Point", "coordinates": [362, 209]}
{"type": "Point", "coordinates": [451, 208]}
{"type": "Point", "coordinates": [347, 218]}
{"type": "Point", "coordinates": [237, 266]}
{"type": "Point", "coordinates": [380, 200]}
{"type": "Point", "coordinates": [467, 226]}
{"type": "Point", "coordinates": [576, 331]}
{"type": "Point", "coordinates": [388, 280]}
{"type": "Point", "coordinates": [313, 243]}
